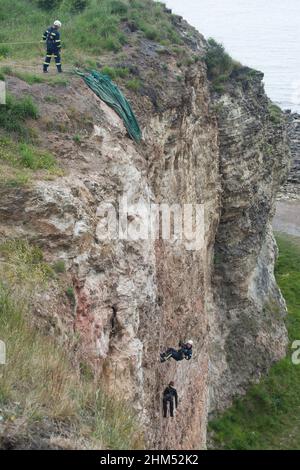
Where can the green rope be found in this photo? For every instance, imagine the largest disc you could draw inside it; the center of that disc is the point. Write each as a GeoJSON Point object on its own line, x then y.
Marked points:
{"type": "Point", "coordinates": [106, 90]}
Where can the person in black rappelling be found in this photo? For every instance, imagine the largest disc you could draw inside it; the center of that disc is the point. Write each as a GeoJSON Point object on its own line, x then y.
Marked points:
{"type": "Point", "coordinates": [185, 352]}
{"type": "Point", "coordinates": [169, 396]}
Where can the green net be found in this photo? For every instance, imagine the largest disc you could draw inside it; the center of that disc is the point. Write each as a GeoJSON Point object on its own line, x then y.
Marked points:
{"type": "Point", "coordinates": [111, 95]}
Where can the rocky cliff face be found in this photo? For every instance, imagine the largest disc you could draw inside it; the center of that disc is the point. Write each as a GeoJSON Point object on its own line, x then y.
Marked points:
{"type": "Point", "coordinates": [254, 161]}
{"type": "Point", "coordinates": [291, 189]}
{"type": "Point", "coordinates": [133, 298]}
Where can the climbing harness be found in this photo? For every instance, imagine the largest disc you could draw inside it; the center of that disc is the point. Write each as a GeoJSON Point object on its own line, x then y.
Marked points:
{"type": "Point", "coordinates": [107, 91]}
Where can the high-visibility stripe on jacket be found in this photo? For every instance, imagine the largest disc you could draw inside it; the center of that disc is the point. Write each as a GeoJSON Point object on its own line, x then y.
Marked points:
{"type": "Point", "coordinates": [52, 37]}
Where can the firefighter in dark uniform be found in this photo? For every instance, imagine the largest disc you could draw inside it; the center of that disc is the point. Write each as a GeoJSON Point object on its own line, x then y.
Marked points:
{"type": "Point", "coordinates": [52, 38]}
{"type": "Point", "coordinates": [185, 352]}
{"type": "Point", "coordinates": [170, 394]}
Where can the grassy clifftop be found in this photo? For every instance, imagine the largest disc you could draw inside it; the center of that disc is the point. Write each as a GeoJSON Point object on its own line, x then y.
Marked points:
{"type": "Point", "coordinates": [90, 27]}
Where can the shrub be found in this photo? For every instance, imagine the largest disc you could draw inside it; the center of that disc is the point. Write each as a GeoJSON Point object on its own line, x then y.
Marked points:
{"type": "Point", "coordinates": [111, 43]}
{"type": "Point", "coordinates": [36, 159]}
{"type": "Point", "coordinates": [4, 51]}
{"type": "Point", "coordinates": [78, 6]}
{"type": "Point", "coordinates": [24, 263]}
{"type": "Point", "coordinates": [275, 113]}
{"type": "Point", "coordinates": [59, 266]}
{"type": "Point", "coordinates": [109, 71]}
{"type": "Point", "coordinates": [114, 72]}
{"type": "Point", "coordinates": [151, 33]}
{"type": "Point", "coordinates": [71, 295]}
{"type": "Point", "coordinates": [134, 84]}
{"type": "Point", "coordinates": [18, 179]}
{"type": "Point", "coordinates": [77, 138]}
{"type": "Point", "coordinates": [218, 88]}
{"type": "Point", "coordinates": [122, 72]}
{"type": "Point", "coordinates": [48, 5]}
{"type": "Point", "coordinates": [219, 65]}
{"type": "Point", "coordinates": [15, 112]}
{"type": "Point", "coordinates": [218, 61]}
{"type": "Point", "coordinates": [19, 161]}
{"type": "Point", "coordinates": [118, 7]}
{"type": "Point", "coordinates": [6, 70]}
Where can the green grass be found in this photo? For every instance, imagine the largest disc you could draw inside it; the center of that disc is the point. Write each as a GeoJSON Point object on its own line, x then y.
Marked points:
{"type": "Point", "coordinates": [15, 112]}
{"type": "Point", "coordinates": [29, 78]}
{"type": "Point", "coordinates": [19, 162]}
{"type": "Point", "coordinates": [32, 78]}
{"type": "Point", "coordinates": [115, 72]}
{"type": "Point", "coordinates": [275, 113]}
{"type": "Point", "coordinates": [71, 294]}
{"type": "Point", "coordinates": [4, 51]}
{"type": "Point", "coordinates": [26, 156]}
{"type": "Point", "coordinates": [90, 32]}
{"type": "Point", "coordinates": [268, 417]}
{"type": "Point", "coordinates": [59, 266]}
{"type": "Point", "coordinates": [77, 138]}
{"type": "Point", "coordinates": [134, 84]}
{"type": "Point", "coordinates": [219, 65]}
{"type": "Point", "coordinates": [13, 121]}
{"type": "Point", "coordinates": [35, 159]}
{"type": "Point", "coordinates": [41, 382]}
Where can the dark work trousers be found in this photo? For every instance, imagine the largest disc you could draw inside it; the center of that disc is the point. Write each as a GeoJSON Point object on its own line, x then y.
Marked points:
{"type": "Point", "coordinates": [169, 401]}
{"type": "Point", "coordinates": [51, 50]}
{"type": "Point", "coordinates": [177, 355]}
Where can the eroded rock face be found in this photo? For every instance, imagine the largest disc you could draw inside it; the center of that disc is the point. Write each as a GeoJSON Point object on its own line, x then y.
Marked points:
{"type": "Point", "coordinates": [291, 189]}
{"type": "Point", "coordinates": [133, 298]}
{"type": "Point", "coordinates": [248, 330]}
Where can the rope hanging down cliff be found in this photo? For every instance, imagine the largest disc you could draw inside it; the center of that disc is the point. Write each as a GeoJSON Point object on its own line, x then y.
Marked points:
{"type": "Point", "coordinates": [107, 91]}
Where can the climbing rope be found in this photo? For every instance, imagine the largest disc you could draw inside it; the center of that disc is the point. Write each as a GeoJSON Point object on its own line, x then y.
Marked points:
{"type": "Point", "coordinates": [14, 43]}
{"type": "Point", "coordinates": [106, 90]}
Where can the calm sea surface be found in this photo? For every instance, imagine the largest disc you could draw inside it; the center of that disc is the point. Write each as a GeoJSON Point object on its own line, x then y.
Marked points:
{"type": "Point", "coordinates": [264, 34]}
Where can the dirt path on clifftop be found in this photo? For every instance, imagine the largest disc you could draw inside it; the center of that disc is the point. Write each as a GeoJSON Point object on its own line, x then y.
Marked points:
{"type": "Point", "coordinates": [287, 218]}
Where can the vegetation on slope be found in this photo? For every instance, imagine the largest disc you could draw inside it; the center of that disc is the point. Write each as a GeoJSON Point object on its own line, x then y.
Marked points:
{"type": "Point", "coordinates": [90, 27]}
{"type": "Point", "coordinates": [268, 417]}
{"type": "Point", "coordinates": [42, 389]}
{"type": "Point", "coordinates": [14, 114]}
{"type": "Point", "coordinates": [221, 68]}
{"type": "Point", "coordinates": [20, 158]}
{"type": "Point", "coordinates": [138, 43]}
{"type": "Point", "coordinates": [218, 61]}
